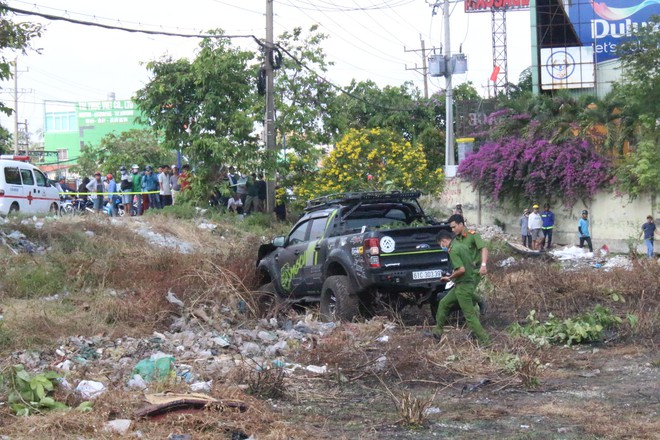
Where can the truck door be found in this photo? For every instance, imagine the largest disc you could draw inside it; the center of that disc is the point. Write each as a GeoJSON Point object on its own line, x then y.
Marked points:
{"type": "Point", "coordinates": [291, 259]}
{"type": "Point", "coordinates": [313, 268]}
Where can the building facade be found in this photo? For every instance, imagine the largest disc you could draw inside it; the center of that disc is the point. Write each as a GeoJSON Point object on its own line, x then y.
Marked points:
{"type": "Point", "coordinates": [69, 127]}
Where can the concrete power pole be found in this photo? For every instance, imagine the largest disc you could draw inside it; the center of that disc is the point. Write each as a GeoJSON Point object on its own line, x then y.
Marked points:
{"type": "Point", "coordinates": [16, 106]}
{"type": "Point", "coordinates": [449, 138]}
{"type": "Point", "coordinates": [269, 123]}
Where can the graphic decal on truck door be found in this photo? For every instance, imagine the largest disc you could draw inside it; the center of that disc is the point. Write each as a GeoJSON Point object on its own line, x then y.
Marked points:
{"type": "Point", "coordinates": [289, 272]}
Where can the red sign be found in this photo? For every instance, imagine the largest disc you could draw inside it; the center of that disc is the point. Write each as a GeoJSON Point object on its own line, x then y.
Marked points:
{"type": "Point", "coordinates": [489, 5]}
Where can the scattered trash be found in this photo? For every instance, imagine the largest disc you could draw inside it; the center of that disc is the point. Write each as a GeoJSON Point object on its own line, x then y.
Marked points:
{"type": "Point", "coordinates": [158, 367]}
{"type": "Point", "coordinates": [179, 437]}
{"type": "Point", "coordinates": [171, 297]}
{"type": "Point", "coordinates": [571, 253]}
{"type": "Point", "coordinates": [380, 363]}
{"type": "Point", "coordinates": [64, 366]}
{"type": "Point", "coordinates": [432, 410]}
{"type": "Point", "coordinates": [506, 263]}
{"type": "Point", "coordinates": [137, 382]}
{"type": "Point", "coordinates": [118, 426]}
{"type": "Point", "coordinates": [222, 341]}
{"type": "Point", "coordinates": [475, 386]}
{"type": "Point", "coordinates": [593, 373]}
{"type": "Point", "coordinates": [316, 369]}
{"type": "Point", "coordinates": [201, 387]}
{"type": "Point", "coordinates": [210, 226]}
{"type": "Point", "coordinates": [524, 426]}
{"type": "Point", "coordinates": [90, 389]}
{"type": "Point", "coordinates": [384, 338]}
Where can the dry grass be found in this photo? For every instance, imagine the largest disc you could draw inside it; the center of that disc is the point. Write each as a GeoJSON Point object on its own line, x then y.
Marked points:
{"type": "Point", "coordinates": [544, 287]}
{"type": "Point", "coordinates": [111, 279]}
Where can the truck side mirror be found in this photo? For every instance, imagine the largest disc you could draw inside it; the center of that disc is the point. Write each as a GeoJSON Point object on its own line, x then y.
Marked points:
{"type": "Point", "coordinates": [279, 241]}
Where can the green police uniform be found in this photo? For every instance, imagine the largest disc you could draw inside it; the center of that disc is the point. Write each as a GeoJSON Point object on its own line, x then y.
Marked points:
{"type": "Point", "coordinates": [462, 293]}
{"type": "Point", "coordinates": [474, 243]}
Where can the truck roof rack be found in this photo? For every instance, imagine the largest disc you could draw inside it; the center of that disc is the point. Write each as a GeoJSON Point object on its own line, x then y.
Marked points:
{"type": "Point", "coordinates": [363, 196]}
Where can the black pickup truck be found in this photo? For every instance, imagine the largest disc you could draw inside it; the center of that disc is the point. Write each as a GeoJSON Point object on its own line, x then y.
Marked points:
{"type": "Point", "coordinates": [349, 250]}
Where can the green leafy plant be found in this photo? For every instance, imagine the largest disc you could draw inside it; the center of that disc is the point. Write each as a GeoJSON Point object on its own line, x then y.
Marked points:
{"type": "Point", "coordinates": [30, 394]}
{"type": "Point", "coordinates": [584, 328]}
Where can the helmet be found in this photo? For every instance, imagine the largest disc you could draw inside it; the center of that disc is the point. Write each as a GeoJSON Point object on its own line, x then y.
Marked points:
{"type": "Point", "coordinates": [122, 168]}
{"type": "Point", "coordinates": [109, 177]}
{"type": "Point", "coordinates": [147, 168]}
{"type": "Point", "coordinates": [584, 211]}
{"type": "Point", "coordinates": [61, 178]}
{"type": "Point", "coordinates": [135, 166]}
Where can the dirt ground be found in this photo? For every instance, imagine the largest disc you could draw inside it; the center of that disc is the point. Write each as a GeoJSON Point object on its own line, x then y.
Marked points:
{"type": "Point", "coordinates": [379, 379]}
{"type": "Point", "coordinates": [595, 391]}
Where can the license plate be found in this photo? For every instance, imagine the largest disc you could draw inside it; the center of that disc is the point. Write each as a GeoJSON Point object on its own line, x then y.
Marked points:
{"type": "Point", "coordinates": [426, 274]}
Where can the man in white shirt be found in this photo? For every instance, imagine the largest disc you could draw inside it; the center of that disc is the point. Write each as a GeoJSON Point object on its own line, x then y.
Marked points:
{"type": "Point", "coordinates": [165, 186]}
{"type": "Point", "coordinates": [535, 223]}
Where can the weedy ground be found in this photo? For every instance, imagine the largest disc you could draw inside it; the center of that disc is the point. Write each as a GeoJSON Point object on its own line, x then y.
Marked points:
{"type": "Point", "coordinates": [111, 279]}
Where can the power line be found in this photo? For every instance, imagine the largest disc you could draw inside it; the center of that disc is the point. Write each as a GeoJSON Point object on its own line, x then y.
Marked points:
{"type": "Point", "coordinates": [125, 29]}
{"type": "Point", "coordinates": [339, 88]}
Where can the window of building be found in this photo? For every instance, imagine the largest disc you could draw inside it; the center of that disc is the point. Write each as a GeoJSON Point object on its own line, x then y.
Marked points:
{"type": "Point", "coordinates": [61, 121]}
{"type": "Point", "coordinates": [62, 154]}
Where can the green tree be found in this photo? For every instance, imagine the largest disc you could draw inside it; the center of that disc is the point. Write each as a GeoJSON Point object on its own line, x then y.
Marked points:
{"type": "Point", "coordinates": [205, 107]}
{"type": "Point", "coordinates": [373, 159]}
{"type": "Point", "coordinates": [302, 104]}
{"type": "Point", "coordinates": [135, 146]}
{"type": "Point", "coordinates": [401, 109]}
{"type": "Point", "coordinates": [5, 141]}
{"type": "Point", "coordinates": [639, 94]}
{"type": "Point", "coordinates": [16, 37]}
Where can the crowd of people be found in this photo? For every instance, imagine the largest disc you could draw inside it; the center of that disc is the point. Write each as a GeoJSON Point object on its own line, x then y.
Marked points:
{"type": "Point", "coordinates": [137, 190]}
{"type": "Point", "coordinates": [536, 229]}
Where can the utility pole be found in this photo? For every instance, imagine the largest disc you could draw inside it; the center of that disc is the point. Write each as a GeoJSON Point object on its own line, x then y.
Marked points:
{"type": "Point", "coordinates": [16, 106]}
{"type": "Point", "coordinates": [424, 69]}
{"type": "Point", "coordinates": [449, 102]}
{"type": "Point", "coordinates": [269, 123]}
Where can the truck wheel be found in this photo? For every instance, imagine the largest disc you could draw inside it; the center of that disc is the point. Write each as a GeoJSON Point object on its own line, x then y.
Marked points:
{"type": "Point", "coordinates": [337, 300]}
{"type": "Point", "coordinates": [268, 301]}
{"type": "Point", "coordinates": [14, 209]}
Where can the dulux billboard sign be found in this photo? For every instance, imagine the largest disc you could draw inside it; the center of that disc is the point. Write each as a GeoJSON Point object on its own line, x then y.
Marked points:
{"type": "Point", "coordinates": [603, 24]}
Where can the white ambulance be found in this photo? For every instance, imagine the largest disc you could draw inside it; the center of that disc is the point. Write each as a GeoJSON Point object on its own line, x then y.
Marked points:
{"type": "Point", "coordinates": [24, 188]}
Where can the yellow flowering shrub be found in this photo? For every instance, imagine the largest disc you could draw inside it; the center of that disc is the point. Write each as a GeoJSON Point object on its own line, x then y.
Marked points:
{"type": "Point", "coordinates": [372, 160]}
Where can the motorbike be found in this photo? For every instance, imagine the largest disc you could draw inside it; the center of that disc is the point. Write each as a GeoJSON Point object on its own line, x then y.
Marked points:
{"type": "Point", "coordinates": [118, 208]}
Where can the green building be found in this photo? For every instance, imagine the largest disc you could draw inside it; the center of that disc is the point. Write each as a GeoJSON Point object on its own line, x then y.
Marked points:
{"type": "Point", "coordinates": [70, 127]}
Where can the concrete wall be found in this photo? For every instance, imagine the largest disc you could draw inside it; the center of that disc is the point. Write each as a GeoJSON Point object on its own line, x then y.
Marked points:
{"type": "Point", "coordinates": [613, 220]}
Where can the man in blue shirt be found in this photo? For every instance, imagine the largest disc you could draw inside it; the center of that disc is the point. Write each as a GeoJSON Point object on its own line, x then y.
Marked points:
{"type": "Point", "coordinates": [649, 230]}
{"type": "Point", "coordinates": [548, 218]}
{"type": "Point", "coordinates": [583, 230]}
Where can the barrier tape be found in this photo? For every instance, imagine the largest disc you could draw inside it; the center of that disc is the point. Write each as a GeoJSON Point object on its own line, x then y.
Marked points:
{"type": "Point", "coordinates": [77, 194]}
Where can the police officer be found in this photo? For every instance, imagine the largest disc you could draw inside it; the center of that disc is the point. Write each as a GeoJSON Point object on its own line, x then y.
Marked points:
{"type": "Point", "coordinates": [465, 278]}
{"type": "Point", "coordinates": [476, 247]}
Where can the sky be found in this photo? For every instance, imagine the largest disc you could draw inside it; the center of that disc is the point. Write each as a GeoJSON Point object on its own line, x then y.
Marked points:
{"type": "Point", "coordinates": [366, 42]}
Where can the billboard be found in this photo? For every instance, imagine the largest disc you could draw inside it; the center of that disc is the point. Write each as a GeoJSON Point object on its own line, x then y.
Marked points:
{"type": "Point", "coordinates": [567, 68]}
{"type": "Point", "coordinates": [489, 5]}
{"type": "Point", "coordinates": [603, 24]}
{"type": "Point", "coordinates": [113, 112]}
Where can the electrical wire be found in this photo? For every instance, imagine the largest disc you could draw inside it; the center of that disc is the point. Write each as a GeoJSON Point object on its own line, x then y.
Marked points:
{"type": "Point", "coordinates": [125, 29]}
{"type": "Point", "coordinates": [339, 88]}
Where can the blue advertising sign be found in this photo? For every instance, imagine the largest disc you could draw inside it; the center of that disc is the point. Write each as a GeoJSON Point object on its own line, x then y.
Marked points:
{"type": "Point", "coordinates": [602, 24]}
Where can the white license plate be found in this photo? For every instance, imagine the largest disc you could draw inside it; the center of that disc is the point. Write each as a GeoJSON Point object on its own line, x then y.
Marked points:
{"type": "Point", "coordinates": [426, 274]}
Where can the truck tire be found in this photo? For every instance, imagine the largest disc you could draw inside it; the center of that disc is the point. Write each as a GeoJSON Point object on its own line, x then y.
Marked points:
{"type": "Point", "coordinates": [338, 302]}
{"type": "Point", "coordinates": [268, 301]}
